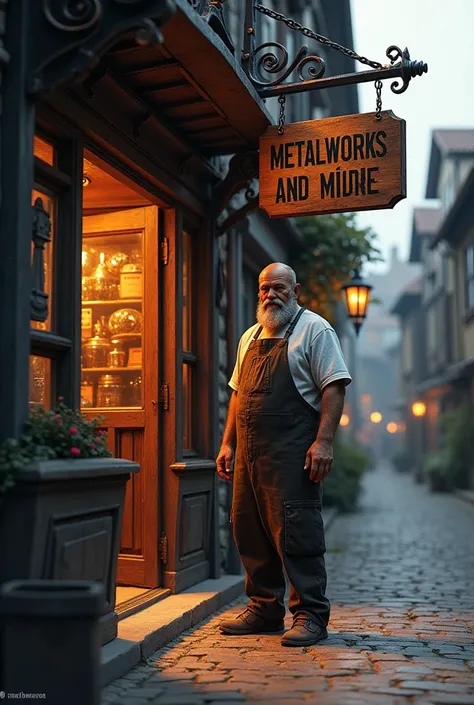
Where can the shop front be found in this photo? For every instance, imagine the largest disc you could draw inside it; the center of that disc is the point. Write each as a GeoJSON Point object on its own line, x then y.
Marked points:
{"type": "Point", "coordinates": [125, 164]}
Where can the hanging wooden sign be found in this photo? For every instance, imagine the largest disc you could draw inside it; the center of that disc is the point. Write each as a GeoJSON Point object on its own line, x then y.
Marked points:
{"type": "Point", "coordinates": [335, 165]}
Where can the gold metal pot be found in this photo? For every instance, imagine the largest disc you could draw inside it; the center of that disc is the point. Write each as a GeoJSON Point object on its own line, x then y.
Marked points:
{"type": "Point", "coordinates": [117, 356]}
{"type": "Point", "coordinates": [110, 391]}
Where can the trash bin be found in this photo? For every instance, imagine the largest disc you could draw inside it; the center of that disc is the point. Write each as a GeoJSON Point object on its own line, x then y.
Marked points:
{"type": "Point", "coordinates": [50, 640]}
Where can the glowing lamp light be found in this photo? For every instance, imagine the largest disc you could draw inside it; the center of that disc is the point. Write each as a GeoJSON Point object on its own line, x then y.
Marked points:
{"type": "Point", "coordinates": [376, 417]}
{"type": "Point", "coordinates": [418, 408]}
{"type": "Point", "coordinates": [392, 427]}
{"type": "Point", "coordinates": [357, 295]}
{"type": "Point", "coordinates": [345, 420]}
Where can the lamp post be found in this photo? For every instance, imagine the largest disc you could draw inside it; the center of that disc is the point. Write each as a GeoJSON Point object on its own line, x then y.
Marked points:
{"type": "Point", "coordinates": [418, 410]}
{"type": "Point", "coordinates": [357, 296]}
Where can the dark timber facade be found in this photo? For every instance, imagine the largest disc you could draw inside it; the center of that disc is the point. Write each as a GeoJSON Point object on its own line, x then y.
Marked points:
{"type": "Point", "coordinates": [126, 277]}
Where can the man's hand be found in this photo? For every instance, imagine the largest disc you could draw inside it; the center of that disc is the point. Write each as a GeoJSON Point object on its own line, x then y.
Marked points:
{"type": "Point", "coordinates": [319, 460]}
{"type": "Point", "coordinates": [224, 462]}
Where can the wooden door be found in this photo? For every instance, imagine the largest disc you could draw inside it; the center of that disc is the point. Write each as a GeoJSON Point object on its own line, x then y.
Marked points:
{"type": "Point", "coordinates": [127, 396]}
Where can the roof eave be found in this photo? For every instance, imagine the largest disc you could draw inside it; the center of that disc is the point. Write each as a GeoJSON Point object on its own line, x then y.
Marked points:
{"type": "Point", "coordinates": [459, 217]}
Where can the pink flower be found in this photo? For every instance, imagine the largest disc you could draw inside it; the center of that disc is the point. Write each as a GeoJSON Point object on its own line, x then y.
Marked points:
{"type": "Point", "coordinates": [60, 398]}
{"type": "Point", "coordinates": [57, 418]}
{"type": "Point", "coordinates": [73, 431]}
{"type": "Point", "coordinates": [91, 445]}
{"type": "Point", "coordinates": [76, 451]}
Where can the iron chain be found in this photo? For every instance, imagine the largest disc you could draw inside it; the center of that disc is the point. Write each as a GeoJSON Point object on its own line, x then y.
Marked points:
{"type": "Point", "coordinates": [378, 102]}
{"type": "Point", "coordinates": [281, 119]}
{"type": "Point", "coordinates": [292, 24]}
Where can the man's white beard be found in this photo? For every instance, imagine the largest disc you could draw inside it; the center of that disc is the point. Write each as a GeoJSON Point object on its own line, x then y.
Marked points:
{"type": "Point", "coordinates": [273, 317]}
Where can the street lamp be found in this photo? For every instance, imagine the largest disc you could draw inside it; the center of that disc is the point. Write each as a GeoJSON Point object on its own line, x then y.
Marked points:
{"type": "Point", "coordinates": [345, 420]}
{"type": "Point", "coordinates": [376, 417]}
{"type": "Point", "coordinates": [357, 295]}
{"type": "Point", "coordinates": [392, 427]}
{"type": "Point", "coordinates": [418, 408]}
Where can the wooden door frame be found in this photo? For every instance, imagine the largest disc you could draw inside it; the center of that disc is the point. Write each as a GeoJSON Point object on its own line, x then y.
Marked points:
{"type": "Point", "coordinates": [184, 475]}
{"type": "Point", "coordinates": [143, 570]}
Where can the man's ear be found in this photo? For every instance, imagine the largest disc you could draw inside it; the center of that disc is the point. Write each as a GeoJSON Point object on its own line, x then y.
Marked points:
{"type": "Point", "coordinates": [297, 289]}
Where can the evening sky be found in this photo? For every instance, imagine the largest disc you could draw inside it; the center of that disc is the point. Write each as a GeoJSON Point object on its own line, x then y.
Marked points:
{"type": "Point", "coordinates": [439, 33]}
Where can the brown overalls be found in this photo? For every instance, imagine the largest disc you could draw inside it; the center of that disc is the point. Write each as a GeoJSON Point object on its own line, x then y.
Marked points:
{"type": "Point", "coordinates": [276, 509]}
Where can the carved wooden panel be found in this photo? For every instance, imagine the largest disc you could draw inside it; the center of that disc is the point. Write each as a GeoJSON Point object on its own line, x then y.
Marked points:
{"type": "Point", "coordinates": [194, 524]}
{"type": "Point", "coordinates": [129, 445]}
{"type": "Point", "coordinates": [80, 548]}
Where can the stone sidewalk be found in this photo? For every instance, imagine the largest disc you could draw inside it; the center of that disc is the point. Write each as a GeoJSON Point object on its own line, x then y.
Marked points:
{"type": "Point", "coordinates": [401, 582]}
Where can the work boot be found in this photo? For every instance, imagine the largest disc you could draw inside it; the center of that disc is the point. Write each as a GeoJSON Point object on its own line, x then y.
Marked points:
{"type": "Point", "coordinates": [304, 632]}
{"type": "Point", "coordinates": [250, 623]}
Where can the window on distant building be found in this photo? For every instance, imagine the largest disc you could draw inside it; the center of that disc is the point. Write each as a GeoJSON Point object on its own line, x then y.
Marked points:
{"type": "Point", "coordinates": [469, 275]}
{"type": "Point", "coordinates": [448, 194]}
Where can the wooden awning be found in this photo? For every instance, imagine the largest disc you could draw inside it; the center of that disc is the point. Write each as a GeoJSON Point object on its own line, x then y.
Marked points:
{"type": "Point", "coordinates": [193, 84]}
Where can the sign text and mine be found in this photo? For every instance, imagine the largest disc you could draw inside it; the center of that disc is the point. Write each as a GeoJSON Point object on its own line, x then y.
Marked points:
{"type": "Point", "coordinates": [349, 163]}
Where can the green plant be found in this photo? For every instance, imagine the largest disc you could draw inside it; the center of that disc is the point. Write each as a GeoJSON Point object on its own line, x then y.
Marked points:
{"type": "Point", "coordinates": [343, 484]}
{"type": "Point", "coordinates": [438, 468]}
{"type": "Point", "coordinates": [330, 249]}
{"type": "Point", "coordinates": [458, 439]}
{"type": "Point", "coordinates": [58, 433]}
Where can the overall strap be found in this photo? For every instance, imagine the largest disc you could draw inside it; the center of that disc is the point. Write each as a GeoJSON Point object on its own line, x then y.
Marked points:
{"type": "Point", "coordinates": [257, 333]}
{"type": "Point", "coordinates": [293, 323]}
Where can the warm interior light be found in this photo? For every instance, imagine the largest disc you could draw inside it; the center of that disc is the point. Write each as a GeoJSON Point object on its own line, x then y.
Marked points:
{"type": "Point", "coordinates": [345, 420]}
{"type": "Point", "coordinates": [392, 427]}
{"type": "Point", "coordinates": [376, 417]}
{"type": "Point", "coordinates": [418, 408]}
{"type": "Point", "coordinates": [85, 180]}
{"type": "Point", "coordinates": [402, 427]}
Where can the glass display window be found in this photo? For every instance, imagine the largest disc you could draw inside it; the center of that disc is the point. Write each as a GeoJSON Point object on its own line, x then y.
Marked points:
{"type": "Point", "coordinates": [39, 382]}
{"type": "Point", "coordinates": [44, 150]}
{"type": "Point", "coordinates": [112, 320]}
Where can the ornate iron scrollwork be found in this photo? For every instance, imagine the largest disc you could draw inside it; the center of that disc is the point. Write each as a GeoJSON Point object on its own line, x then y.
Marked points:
{"type": "Point", "coordinates": [198, 5]}
{"type": "Point", "coordinates": [409, 68]}
{"type": "Point", "coordinates": [73, 15]}
{"type": "Point", "coordinates": [70, 36]}
{"type": "Point", "coordinates": [277, 62]}
{"type": "Point", "coordinates": [243, 169]}
{"type": "Point", "coordinates": [41, 234]}
{"type": "Point", "coordinates": [212, 12]}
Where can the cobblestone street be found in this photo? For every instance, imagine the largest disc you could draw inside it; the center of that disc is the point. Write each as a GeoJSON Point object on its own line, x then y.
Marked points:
{"type": "Point", "coordinates": [401, 583]}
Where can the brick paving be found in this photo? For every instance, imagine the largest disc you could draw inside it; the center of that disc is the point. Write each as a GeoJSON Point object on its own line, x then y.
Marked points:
{"type": "Point", "coordinates": [401, 583]}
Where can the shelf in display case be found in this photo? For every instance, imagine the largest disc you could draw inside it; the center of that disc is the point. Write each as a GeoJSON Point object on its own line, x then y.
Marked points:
{"type": "Point", "coordinates": [114, 302]}
{"type": "Point", "coordinates": [110, 370]}
{"type": "Point", "coordinates": [126, 336]}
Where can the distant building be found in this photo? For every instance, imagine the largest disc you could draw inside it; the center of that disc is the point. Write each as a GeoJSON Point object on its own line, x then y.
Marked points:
{"type": "Point", "coordinates": [438, 331]}
{"type": "Point", "coordinates": [376, 371]}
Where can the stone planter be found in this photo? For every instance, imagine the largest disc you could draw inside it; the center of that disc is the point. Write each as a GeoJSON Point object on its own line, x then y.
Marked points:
{"type": "Point", "coordinates": [62, 521]}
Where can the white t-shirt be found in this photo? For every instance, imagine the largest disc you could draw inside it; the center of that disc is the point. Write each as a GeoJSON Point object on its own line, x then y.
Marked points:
{"type": "Point", "coordinates": [315, 357]}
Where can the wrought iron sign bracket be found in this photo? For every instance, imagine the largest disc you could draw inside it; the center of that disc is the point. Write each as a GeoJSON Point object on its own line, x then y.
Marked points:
{"type": "Point", "coordinates": [268, 65]}
{"type": "Point", "coordinates": [243, 169]}
{"type": "Point", "coordinates": [67, 39]}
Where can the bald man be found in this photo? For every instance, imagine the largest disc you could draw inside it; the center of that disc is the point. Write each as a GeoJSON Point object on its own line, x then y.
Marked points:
{"type": "Point", "coordinates": [288, 394]}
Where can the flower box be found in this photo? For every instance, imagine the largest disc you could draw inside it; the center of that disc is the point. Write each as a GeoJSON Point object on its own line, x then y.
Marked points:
{"type": "Point", "coordinates": [62, 520]}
